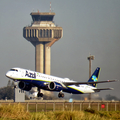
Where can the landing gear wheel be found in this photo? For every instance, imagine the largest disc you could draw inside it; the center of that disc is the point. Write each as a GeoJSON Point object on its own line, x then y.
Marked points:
{"type": "Point", "coordinates": [40, 94]}
{"type": "Point", "coordinates": [61, 95]}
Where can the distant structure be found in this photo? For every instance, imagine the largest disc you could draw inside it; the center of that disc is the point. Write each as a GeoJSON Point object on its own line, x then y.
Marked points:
{"type": "Point", "coordinates": [42, 34]}
{"type": "Point", "coordinates": [90, 58]}
{"type": "Point", "coordinates": [19, 95]}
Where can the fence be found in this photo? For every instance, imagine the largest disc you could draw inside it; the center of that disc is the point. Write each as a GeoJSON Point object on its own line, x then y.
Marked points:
{"type": "Point", "coordinates": [67, 106]}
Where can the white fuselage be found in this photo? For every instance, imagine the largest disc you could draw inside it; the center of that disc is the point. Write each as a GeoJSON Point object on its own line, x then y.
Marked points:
{"type": "Point", "coordinates": [37, 79]}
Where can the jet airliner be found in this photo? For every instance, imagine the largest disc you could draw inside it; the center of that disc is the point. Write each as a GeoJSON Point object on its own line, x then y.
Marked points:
{"type": "Point", "coordinates": [28, 79]}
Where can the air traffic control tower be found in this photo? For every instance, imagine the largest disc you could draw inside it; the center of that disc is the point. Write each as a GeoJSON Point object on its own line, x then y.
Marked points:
{"type": "Point", "coordinates": [42, 34]}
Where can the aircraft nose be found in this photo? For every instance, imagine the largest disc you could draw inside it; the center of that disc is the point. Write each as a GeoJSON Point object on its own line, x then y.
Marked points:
{"type": "Point", "coordinates": [7, 74]}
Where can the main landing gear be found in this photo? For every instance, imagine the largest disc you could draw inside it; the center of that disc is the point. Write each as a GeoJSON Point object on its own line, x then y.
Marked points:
{"type": "Point", "coordinates": [39, 93]}
{"type": "Point", "coordinates": [61, 95]}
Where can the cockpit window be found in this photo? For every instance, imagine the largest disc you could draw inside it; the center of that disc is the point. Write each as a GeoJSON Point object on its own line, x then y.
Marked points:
{"type": "Point", "coordinates": [14, 70]}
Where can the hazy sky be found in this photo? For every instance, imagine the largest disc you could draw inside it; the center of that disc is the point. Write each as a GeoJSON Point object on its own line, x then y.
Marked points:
{"type": "Point", "coordinates": [89, 26]}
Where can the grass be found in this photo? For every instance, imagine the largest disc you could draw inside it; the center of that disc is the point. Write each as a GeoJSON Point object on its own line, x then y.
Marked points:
{"type": "Point", "coordinates": [18, 112]}
{"type": "Point", "coordinates": [13, 112]}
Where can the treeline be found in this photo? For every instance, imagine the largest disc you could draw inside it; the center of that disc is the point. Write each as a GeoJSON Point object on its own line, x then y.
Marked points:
{"type": "Point", "coordinates": [7, 92]}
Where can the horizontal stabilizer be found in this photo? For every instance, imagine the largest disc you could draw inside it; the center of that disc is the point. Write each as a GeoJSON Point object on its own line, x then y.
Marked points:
{"type": "Point", "coordinates": [98, 90]}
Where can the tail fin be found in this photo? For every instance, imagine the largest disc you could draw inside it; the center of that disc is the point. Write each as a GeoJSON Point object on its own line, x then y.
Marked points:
{"type": "Point", "coordinates": [94, 77]}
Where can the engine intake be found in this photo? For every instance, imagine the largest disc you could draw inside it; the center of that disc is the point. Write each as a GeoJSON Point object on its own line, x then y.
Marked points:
{"type": "Point", "coordinates": [24, 86]}
{"type": "Point", "coordinates": [52, 86]}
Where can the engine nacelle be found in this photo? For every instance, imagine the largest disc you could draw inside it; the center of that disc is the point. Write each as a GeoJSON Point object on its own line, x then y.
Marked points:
{"type": "Point", "coordinates": [24, 86]}
{"type": "Point", "coordinates": [52, 86]}
{"type": "Point", "coordinates": [55, 86]}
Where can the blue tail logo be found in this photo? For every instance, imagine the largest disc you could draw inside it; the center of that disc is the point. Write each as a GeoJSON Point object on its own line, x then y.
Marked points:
{"type": "Point", "coordinates": [94, 77]}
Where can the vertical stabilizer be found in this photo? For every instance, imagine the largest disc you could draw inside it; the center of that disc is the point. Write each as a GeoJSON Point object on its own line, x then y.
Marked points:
{"type": "Point", "coordinates": [95, 76]}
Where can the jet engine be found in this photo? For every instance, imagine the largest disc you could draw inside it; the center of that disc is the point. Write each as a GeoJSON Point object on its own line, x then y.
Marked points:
{"type": "Point", "coordinates": [24, 86]}
{"type": "Point", "coordinates": [52, 86]}
{"type": "Point", "coordinates": [55, 86]}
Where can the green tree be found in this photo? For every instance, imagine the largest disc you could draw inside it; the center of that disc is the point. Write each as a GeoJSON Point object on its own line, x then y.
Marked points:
{"type": "Point", "coordinates": [9, 83]}
{"type": "Point", "coordinates": [7, 92]}
{"type": "Point", "coordinates": [111, 97]}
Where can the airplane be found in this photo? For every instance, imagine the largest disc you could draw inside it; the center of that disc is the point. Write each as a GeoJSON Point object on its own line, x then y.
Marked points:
{"type": "Point", "coordinates": [28, 79]}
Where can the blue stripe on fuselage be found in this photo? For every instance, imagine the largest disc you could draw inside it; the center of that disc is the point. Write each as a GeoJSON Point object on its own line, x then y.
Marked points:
{"type": "Point", "coordinates": [40, 83]}
{"type": "Point", "coordinates": [37, 83]}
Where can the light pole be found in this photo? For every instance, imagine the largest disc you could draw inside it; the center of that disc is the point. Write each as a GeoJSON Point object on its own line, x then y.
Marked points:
{"type": "Point", "coordinates": [90, 58]}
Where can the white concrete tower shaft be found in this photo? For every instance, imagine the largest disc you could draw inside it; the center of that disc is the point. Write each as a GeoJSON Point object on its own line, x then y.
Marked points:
{"type": "Point", "coordinates": [42, 58]}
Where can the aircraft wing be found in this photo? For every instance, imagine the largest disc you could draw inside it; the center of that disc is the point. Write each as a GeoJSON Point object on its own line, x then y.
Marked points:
{"type": "Point", "coordinates": [78, 83]}
{"type": "Point", "coordinates": [98, 90]}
